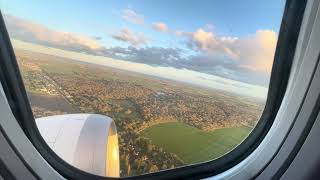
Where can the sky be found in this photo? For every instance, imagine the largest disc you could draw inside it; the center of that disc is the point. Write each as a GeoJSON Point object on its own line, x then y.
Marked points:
{"type": "Point", "coordinates": [235, 39]}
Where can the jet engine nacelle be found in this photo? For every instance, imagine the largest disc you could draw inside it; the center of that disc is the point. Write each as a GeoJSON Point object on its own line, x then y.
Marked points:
{"type": "Point", "coordinates": [86, 141]}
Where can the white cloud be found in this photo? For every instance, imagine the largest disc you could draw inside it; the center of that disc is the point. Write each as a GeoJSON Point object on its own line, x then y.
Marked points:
{"type": "Point", "coordinates": [159, 26]}
{"type": "Point", "coordinates": [257, 51]}
{"type": "Point", "coordinates": [30, 31]}
{"type": "Point", "coordinates": [184, 75]}
{"type": "Point", "coordinates": [249, 58]}
{"type": "Point", "coordinates": [204, 40]}
{"type": "Point", "coordinates": [254, 52]}
{"type": "Point", "coordinates": [128, 36]}
{"type": "Point", "coordinates": [132, 16]}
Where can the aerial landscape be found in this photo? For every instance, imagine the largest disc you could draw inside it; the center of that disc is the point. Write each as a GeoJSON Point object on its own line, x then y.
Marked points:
{"type": "Point", "coordinates": [184, 82]}
{"type": "Point", "coordinates": [161, 123]}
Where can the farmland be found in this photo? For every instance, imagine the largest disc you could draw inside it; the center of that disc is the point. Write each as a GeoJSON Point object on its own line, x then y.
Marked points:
{"type": "Point", "coordinates": [192, 145]}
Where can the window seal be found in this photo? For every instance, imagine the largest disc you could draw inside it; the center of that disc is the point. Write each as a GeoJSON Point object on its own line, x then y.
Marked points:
{"type": "Point", "coordinates": [289, 31]}
{"type": "Point", "coordinates": [303, 136]}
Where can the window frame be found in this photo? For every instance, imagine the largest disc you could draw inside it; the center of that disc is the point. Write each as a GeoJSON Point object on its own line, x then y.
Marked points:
{"type": "Point", "coordinates": [17, 98]}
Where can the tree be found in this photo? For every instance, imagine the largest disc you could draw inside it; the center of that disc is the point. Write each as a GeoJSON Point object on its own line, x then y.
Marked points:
{"type": "Point", "coordinates": [154, 168]}
{"type": "Point", "coordinates": [129, 170]}
{"type": "Point", "coordinates": [164, 166]}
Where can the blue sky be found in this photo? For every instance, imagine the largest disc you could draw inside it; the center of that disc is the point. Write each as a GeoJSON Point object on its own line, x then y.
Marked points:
{"type": "Point", "coordinates": [219, 33]}
{"type": "Point", "coordinates": [229, 17]}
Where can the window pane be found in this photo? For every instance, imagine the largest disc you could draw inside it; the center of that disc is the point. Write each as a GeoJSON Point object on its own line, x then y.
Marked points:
{"type": "Point", "coordinates": [176, 82]}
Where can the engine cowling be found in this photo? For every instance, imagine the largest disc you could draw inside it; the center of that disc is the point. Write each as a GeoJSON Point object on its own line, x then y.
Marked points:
{"type": "Point", "coordinates": [86, 141]}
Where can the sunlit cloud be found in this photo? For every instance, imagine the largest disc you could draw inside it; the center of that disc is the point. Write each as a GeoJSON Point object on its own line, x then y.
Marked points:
{"type": "Point", "coordinates": [257, 51]}
{"type": "Point", "coordinates": [204, 40]}
{"type": "Point", "coordinates": [132, 16]}
{"type": "Point", "coordinates": [159, 26]}
{"type": "Point", "coordinates": [248, 59]}
{"type": "Point", "coordinates": [130, 37]}
{"type": "Point", "coordinates": [34, 32]}
{"type": "Point", "coordinates": [183, 75]}
{"type": "Point", "coordinates": [254, 52]}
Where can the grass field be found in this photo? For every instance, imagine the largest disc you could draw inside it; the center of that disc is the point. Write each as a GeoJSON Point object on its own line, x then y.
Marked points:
{"type": "Point", "coordinates": [193, 145]}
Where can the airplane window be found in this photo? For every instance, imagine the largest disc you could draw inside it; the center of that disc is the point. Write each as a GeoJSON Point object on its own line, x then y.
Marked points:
{"type": "Point", "coordinates": [124, 88]}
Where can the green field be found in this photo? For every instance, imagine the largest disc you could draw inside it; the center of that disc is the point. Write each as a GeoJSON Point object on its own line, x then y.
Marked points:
{"type": "Point", "coordinates": [193, 145]}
